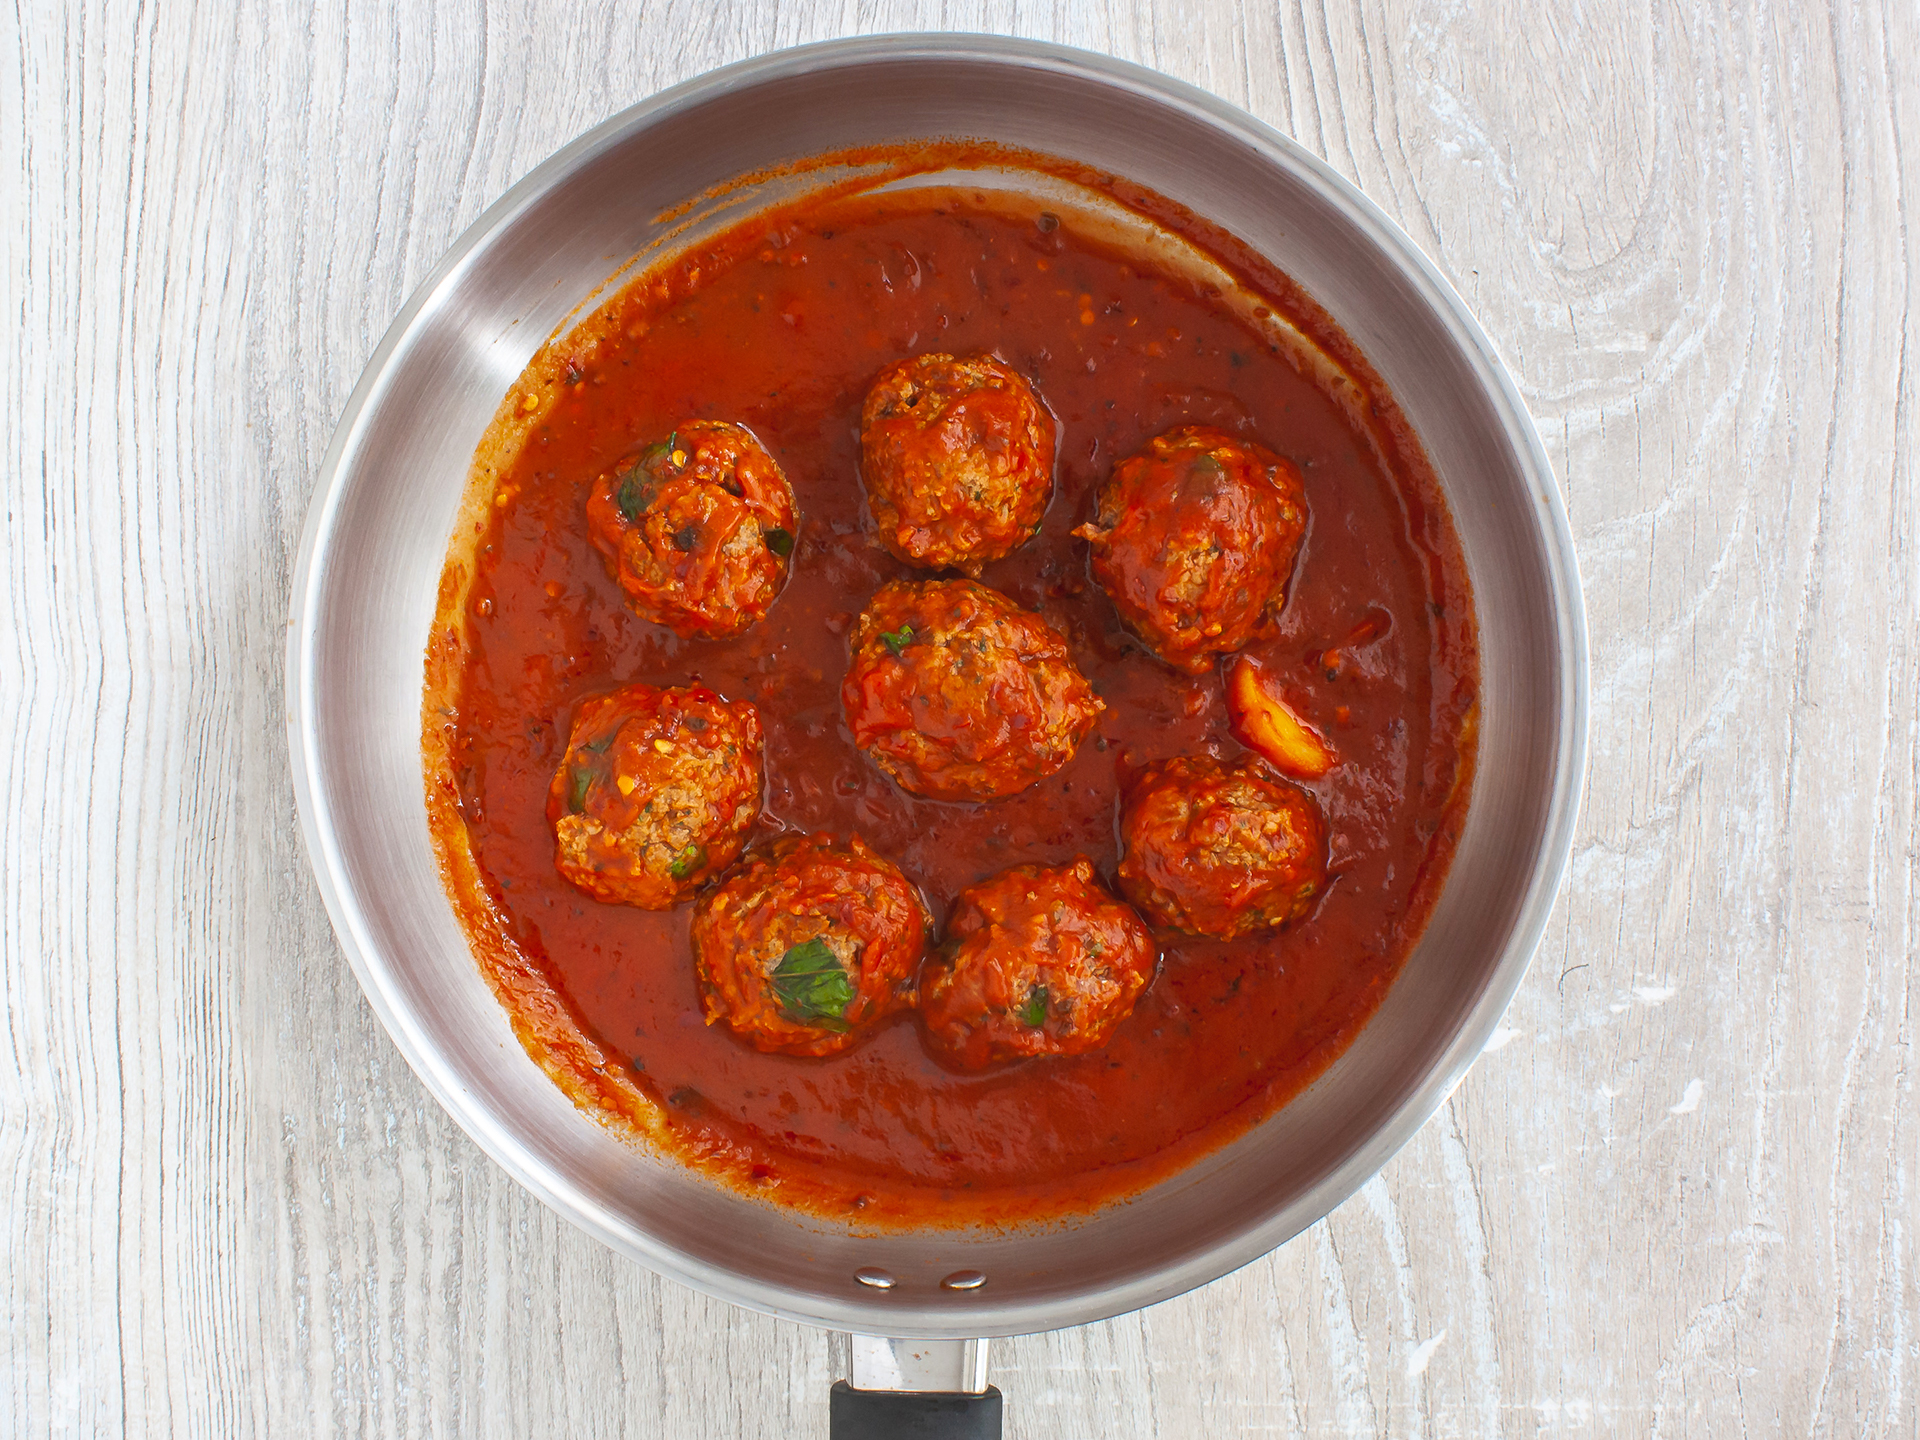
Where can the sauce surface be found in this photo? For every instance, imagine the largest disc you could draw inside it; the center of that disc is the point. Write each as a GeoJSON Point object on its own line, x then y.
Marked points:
{"type": "Point", "coordinates": [783, 332]}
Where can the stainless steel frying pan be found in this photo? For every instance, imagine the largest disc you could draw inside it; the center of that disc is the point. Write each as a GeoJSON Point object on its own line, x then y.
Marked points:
{"type": "Point", "coordinates": [364, 595]}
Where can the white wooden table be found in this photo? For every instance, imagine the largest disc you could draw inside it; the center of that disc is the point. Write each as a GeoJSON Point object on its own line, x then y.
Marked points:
{"type": "Point", "coordinates": [1679, 1196]}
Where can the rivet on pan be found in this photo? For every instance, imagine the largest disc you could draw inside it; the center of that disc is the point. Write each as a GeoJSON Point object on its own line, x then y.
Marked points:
{"type": "Point", "coordinates": [873, 1275]}
{"type": "Point", "coordinates": [963, 1280]}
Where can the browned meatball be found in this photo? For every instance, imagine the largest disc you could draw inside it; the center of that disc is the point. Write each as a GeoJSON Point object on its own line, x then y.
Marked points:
{"type": "Point", "coordinates": [959, 694]}
{"type": "Point", "coordinates": [696, 529]}
{"type": "Point", "coordinates": [809, 945]}
{"type": "Point", "coordinates": [1038, 960]}
{"type": "Point", "coordinates": [957, 456]}
{"type": "Point", "coordinates": [1220, 850]}
{"type": "Point", "coordinates": [656, 793]}
{"type": "Point", "coordinates": [1194, 539]}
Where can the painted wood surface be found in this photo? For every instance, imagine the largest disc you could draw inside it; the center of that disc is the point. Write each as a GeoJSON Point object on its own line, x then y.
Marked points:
{"type": "Point", "coordinates": [1676, 1198]}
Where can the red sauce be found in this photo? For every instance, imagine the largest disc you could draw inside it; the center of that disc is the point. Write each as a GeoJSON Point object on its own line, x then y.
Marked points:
{"type": "Point", "coordinates": [783, 331]}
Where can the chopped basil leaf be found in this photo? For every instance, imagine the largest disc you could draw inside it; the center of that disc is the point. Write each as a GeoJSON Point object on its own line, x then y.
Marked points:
{"type": "Point", "coordinates": [811, 987]}
{"type": "Point", "coordinates": [686, 537]}
{"type": "Point", "coordinates": [1034, 1012]}
{"type": "Point", "coordinates": [599, 746]}
{"type": "Point", "coordinates": [688, 861]}
{"type": "Point", "coordinates": [896, 640]}
{"type": "Point", "coordinates": [577, 790]}
{"type": "Point", "coordinates": [780, 542]}
{"type": "Point", "coordinates": [633, 496]}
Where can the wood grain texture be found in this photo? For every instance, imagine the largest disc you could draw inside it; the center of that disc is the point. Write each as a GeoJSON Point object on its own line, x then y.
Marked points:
{"type": "Point", "coordinates": [1678, 1196]}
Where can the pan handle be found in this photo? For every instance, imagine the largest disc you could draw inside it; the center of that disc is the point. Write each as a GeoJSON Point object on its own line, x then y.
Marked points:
{"type": "Point", "coordinates": [916, 1390]}
{"type": "Point", "coordinates": [914, 1415]}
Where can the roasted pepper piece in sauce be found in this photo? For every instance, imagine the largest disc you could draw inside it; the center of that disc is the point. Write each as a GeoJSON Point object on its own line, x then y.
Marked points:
{"type": "Point", "coordinates": [1266, 723]}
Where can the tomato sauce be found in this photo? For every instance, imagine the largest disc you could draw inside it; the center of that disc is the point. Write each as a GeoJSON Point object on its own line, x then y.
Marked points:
{"type": "Point", "coordinates": [783, 329]}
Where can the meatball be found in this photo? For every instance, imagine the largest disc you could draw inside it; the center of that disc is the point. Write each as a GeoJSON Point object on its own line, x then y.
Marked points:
{"type": "Point", "coordinates": [696, 529]}
{"type": "Point", "coordinates": [1220, 850]}
{"type": "Point", "coordinates": [1038, 960]}
{"type": "Point", "coordinates": [957, 456]}
{"type": "Point", "coordinates": [1194, 539]}
{"type": "Point", "coordinates": [656, 793]}
{"type": "Point", "coordinates": [809, 944]}
{"type": "Point", "coordinates": [959, 694]}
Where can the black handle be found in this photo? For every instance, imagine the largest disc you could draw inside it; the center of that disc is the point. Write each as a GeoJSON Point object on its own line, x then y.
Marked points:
{"type": "Point", "coordinates": [914, 1415]}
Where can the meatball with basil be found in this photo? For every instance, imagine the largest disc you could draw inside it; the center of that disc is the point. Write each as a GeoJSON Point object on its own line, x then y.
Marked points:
{"type": "Point", "coordinates": [1038, 960]}
{"type": "Point", "coordinates": [957, 455]}
{"type": "Point", "coordinates": [1194, 540]}
{"type": "Point", "coordinates": [959, 694]}
{"type": "Point", "coordinates": [809, 944]}
{"type": "Point", "coordinates": [656, 793]}
{"type": "Point", "coordinates": [1218, 849]}
{"type": "Point", "coordinates": [697, 529]}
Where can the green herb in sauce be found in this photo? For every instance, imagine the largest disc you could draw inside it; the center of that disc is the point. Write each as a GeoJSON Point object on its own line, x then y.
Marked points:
{"type": "Point", "coordinates": [811, 986]}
